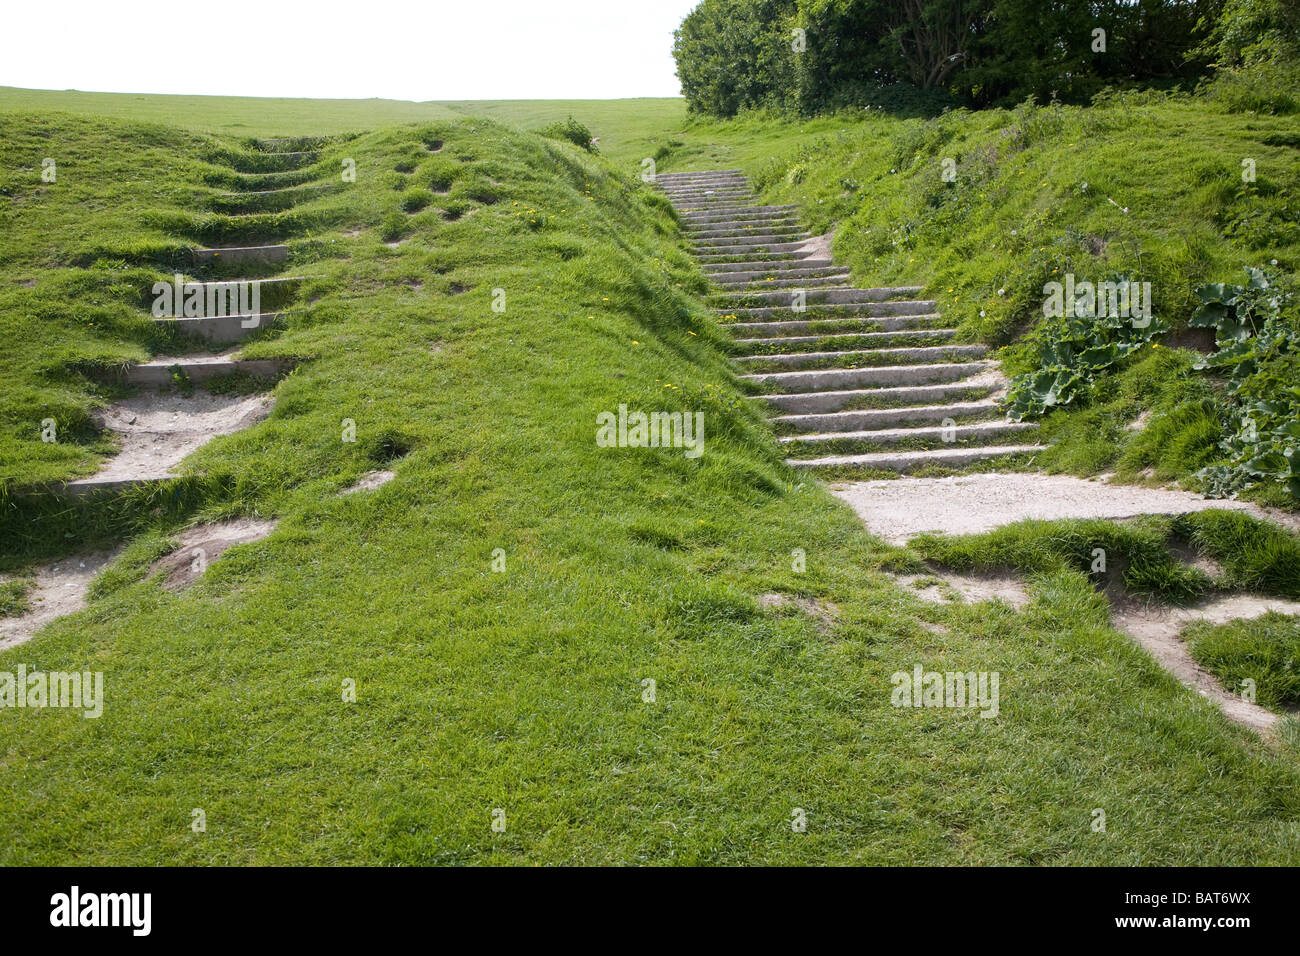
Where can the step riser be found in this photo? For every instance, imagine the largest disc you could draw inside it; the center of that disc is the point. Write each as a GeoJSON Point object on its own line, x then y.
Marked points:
{"type": "Point", "coordinates": [884, 418]}
{"type": "Point", "coordinates": [740, 262]}
{"type": "Point", "coordinates": [775, 224]}
{"type": "Point", "coordinates": [225, 330]}
{"type": "Point", "coordinates": [744, 332]}
{"type": "Point", "coordinates": [860, 378]}
{"type": "Point", "coordinates": [156, 375]}
{"type": "Point", "coordinates": [985, 434]}
{"type": "Point", "coordinates": [789, 238]}
{"type": "Point", "coordinates": [852, 343]}
{"type": "Point", "coordinates": [782, 265]}
{"type": "Point", "coordinates": [751, 214]}
{"type": "Point", "coordinates": [839, 297]}
{"type": "Point", "coordinates": [915, 356]}
{"type": "Point", "coordinates": [796, 249]}
{"type": "Point", "coordinates": [903, 462]}
{"type": "Point", "coordinates": [808, 282]}
{"type": "Point", "coordinates": [824, 403]}
{"type": "Point", "coordinates": [829, 313]}
{"type": "Point", "coordinates": [786, 275]}
{"type": "Point", "coordinates": [242, 255]}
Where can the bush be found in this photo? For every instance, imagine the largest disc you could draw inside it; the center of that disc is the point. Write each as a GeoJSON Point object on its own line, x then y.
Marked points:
{"type": "Point", "coordinates": [574, 132]}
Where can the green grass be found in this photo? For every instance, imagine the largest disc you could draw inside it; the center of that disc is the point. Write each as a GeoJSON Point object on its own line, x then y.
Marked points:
{"type": "Point", "coordinates": [628, 129]}
{"type": "Point", "coordinates": [1141, 555]}
{"type": "Point", "coordinates": [522, 689]}
{"type": "Point", "coordinates": [14, 597]}
{"type": "Point", "coordinates": [1265, 650]}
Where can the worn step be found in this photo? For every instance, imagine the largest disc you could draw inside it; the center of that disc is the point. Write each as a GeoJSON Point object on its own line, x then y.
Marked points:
{"type": "Point", "coordinates": [903, 462]}
{"type": "Point", "coordinates": [200, 368]}
{"type": "Point", "coordinates": [239, 255]}
{"type": "Point", "coordinates": [883, 418]}
{"type": "Point", "coordinates": [726, 227]}
{"type": "Point", "coordinates": [767, 265]}
{"type": "Point", "coordinates": [710, 198]}
{"type": "Point", "coordinates": [708, 244]}
{"type": "Point", "coordinates": [851, 341]}
{"type": "Point", "coordinates": [971, 389]}
{"type": "Point", "coordinates": [777, 252]}
{"type": "Point", "coordinates": [159, 430]}
{"type": "Point", "coordinates": [846, 378]}
{"type": "Point", "coordinates": [859, 358]}
{"type": "Point", "coordinates": [266, 200]}
{"type": "Point", "coordinates": [227, 297]}
{"type": "Point", "coordinates": [763, 275]}
{"type": "Point", "coordinates": [736, 214]}
{"type": "Point", "coordinates": [755, 260]}
{"type": "Point", "coordinates": [829, 280]}
{"type": "Point", "coordinates": [821, 328]}
{"type": "Point", "coordinates": [226, 329]}
{"type": "Point", "coordinates": [824, 312]}
{"type": "Point", "coordinates": [950, 435]}
{"type": "Point", "coordinates": [829, 297]}
{"type": "Point", "coordinates": [698, 174]}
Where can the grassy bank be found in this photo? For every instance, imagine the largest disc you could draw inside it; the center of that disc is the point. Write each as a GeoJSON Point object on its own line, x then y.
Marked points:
{"type": "Point", "coordinates": [502, 605]}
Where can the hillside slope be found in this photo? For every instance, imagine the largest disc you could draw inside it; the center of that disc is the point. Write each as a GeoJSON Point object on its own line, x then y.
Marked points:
{"type": "Point", "coordinates": [637, 655]}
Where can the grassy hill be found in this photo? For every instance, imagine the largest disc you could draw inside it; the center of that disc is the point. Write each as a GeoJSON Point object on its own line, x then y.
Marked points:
{"type": "Point", "coordinates": [623, 126]}
{"type": "Point", "coordinates": [504, 603]}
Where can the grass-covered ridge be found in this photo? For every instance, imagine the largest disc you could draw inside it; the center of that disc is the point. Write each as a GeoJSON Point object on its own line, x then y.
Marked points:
{"type": "Point", "coordinates": [523, 689]}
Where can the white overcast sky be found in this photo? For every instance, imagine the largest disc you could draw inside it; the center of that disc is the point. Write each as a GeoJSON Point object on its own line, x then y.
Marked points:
{"type": "Point", "coordinates": [349, 49]}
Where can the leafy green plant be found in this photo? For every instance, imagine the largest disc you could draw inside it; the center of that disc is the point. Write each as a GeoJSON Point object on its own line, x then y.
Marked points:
{"type": "Point", "coordinates": [1074, 351]}
{"type": "Point", "coordinates": [574, 132]}
{"type": "Point", "coordinates": [1257, 336]}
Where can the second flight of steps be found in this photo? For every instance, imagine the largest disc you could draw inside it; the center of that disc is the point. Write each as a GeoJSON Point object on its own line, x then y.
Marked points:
{"type": "Point", "coordinates": [857, 379]}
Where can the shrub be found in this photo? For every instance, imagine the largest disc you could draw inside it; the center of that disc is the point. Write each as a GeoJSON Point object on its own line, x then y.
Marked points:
{"type": "Point", "coordinates": [574, 132]}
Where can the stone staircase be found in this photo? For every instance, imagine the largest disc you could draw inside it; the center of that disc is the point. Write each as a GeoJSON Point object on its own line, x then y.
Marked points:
{"type": "Point", "coordinates": [856, 379]}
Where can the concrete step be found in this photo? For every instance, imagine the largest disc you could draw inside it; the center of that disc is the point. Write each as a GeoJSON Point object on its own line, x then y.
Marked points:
{"type": "Point", "coordinates": [745, 276]}
{"type": "Point", "coordinates": [836, 280]}
{"type": "Point", "coordinates": [820, 328]}
{"type": "Point", "coordinates": [785, 237]}
{"type": "Point", "coordinates": [749, 250]}
{"type": "Point", "coordinates": [201, 368]}
{"type": "Point", "coordinates": [848, 341]}
{"type": "Point", "coordinates": [866, 358]}
{"type": "Point", "coordinates": [877, 376]}
{"type": "Point", "coordinates": [226, 329]}
{"type": "Point", "coordinates": [224, 296]}
{"type": "Point", "coordinates": [239, 255]}
{"type": "Point", "coordinates": [737, 213]}
{"type": "Point", "coordinates": [712, 198]}
{"type": "Point", "coordinates": [985, 434]}
{"type": "Point", "coordinates": [971, 389]}
{"type": "Point", "coordinates": [900, 461]}
{"type": "Point", "coordinates": [755, 260]}
{"type": "Point", "coordinates": [832, 297]}
{"type": "Point", "coordinates": [710, 230]}
{"type": "Point", "coordinates": [884, 418]}
{"type": "Point", "coordinates": [661, 178]}
{"type": "Point", "coordinates": [825, 312]}
{"type": "Point", "coordinates": [766, 265]}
